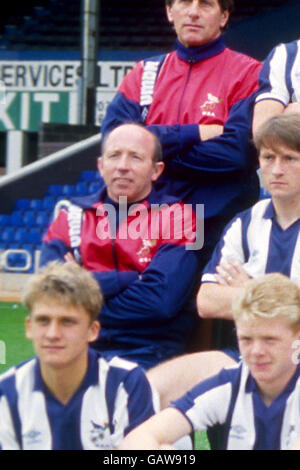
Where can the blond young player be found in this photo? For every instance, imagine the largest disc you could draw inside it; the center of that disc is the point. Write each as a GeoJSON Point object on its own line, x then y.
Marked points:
{"type": "Point", "coordinates": [257, 402]}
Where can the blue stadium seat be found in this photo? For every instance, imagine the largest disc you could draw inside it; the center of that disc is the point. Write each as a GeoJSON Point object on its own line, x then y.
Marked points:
{"type": "Point", "coordinates": [81, 188]}
{"type": "Point", "coordinates": [22, 204]}
{"type": "Point", "coordinates": [88, 175]}
{"type": "Point", "coordinates": [68, 190]}
{"type": "Point", "coordinates": [7, 234]}
{"type": "Point", "coordinates": [4, 43]}
{"type": "Point", "coordinates": [41, 12]}
{"type": "Point", "coordinates": [55, 190]}
{"type": "Point", "coordinates": [4, 220]}
{"type": "Point", "coordinates": [42, 218]}
{"type": "Point", "coordinates": [48, 203]}
{"type": "Point", "coordinates": [20, 235]}
{"type": "Point", "coordinates": [16, 218]}
{"type": "Point", "coordinates": [94, 186]}
{"type": "Point", "coordinates": [34, 235]}
{"type": "Point", "coordinates": [35, 204]}
{"type": "Point", "coordinates": [29, 218]}
{"type": "Point", "coordinates": [12, 30]}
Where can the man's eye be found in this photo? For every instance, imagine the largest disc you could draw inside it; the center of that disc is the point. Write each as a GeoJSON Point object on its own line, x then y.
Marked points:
{"type": "Point", "coordinates": [68, 321]}
{"type": "Point", "coordinates": [245, 340]}
{"type": "Point", "coordinates": [42, 320]}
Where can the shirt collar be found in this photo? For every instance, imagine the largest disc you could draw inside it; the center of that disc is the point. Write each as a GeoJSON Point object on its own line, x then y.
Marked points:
{"type": "Point", "coordinates": [270, 211]}
{"type": "Point", "coordinates": [196, 54]}
{"type": "Point", "coordinates": [252, 387]}
{"type": "Point", "coordinates": [91, 376]}
{"type": "Point", "coordinates": [94, 200]}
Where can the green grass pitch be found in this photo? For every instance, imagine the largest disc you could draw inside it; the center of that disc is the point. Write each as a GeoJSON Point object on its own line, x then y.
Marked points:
{"type": "Point", "coordinates": [15, 348]}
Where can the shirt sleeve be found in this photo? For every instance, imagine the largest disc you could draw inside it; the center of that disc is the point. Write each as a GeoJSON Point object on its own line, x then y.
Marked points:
{"type": "Point", "coordinates": [230, 246]}
{"type": "Point", "coordinates": [207, 404]}
{"type": "Point", "coordinates": [273, 78]}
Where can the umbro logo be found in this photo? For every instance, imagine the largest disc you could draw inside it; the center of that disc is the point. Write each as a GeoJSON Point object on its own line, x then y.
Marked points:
{"type": "Point", "coordinates": [237, 431]}
{"type": "Point", "coordinates": [32, 436]}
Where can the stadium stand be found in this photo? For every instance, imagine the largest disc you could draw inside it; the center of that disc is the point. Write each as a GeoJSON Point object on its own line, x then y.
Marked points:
{"type": "Point", "coordinates": [55, 24]}
{"type": "Point", "coordinates": [30, 217]}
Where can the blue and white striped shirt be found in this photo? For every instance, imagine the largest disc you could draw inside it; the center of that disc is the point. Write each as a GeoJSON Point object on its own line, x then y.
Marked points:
{"type": "Point", "coordinates": [279, 78]}
{"type": "Point", "coordinates": [113, 398]}
{"type": "Point", "coordinates": [231, 400]}
{"type": "Point", "coordinates": [256, 240]}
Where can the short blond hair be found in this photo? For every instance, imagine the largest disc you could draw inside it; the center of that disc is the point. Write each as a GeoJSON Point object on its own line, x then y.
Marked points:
{"type": "Point", "coordinates": [69, 284]}
{"type": "Point", "coordinates": [272, 295]}
{"type": "Point", "coordinates": [282, 129]}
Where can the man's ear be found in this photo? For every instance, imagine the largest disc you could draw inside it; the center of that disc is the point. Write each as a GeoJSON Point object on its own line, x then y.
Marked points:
{"type": "Point", "coordinates": [100, 164]}
{"type": "Point", "coordinates": [225, 18]}
{"type": "Point", "coordinates": [169, 13]}
{"type": "Point", "coordinates": [28, 327]}
{"type": "Point", "coordinates": [158, 169]}
{"type": "Point", "coordinates": [94, 331]}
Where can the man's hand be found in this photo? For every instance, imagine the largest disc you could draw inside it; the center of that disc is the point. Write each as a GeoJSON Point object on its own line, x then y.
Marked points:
{"type": "Point", "coordinates": [69, 258]}
{"type": "Point", "coordinates": [208, 131]}
{"type": "Point", "coordinates": [231, 273]}
{"type": "Point", "coordinates": [292, 108]}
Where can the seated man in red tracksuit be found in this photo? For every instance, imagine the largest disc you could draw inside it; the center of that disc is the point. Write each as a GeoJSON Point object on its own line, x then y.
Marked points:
{"type": "Point", "coordinates": [140, 247]}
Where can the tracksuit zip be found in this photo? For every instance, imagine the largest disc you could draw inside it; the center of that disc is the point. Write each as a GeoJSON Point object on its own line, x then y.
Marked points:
{"type": "Point", "coordinates": [191, 62]}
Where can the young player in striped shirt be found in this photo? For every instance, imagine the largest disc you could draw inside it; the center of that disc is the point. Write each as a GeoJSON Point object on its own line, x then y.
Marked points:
{"type": "Point", "coordinates": [68, 397]}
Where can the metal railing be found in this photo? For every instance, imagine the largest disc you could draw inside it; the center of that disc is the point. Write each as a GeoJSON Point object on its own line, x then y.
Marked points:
{"type": "Point", "coordinates": [55, 157]}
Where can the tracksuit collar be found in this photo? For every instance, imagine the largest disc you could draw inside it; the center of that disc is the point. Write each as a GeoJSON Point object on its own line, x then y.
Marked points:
{"type": "Point", "coordinates": [93, 200]}
{"type": "Point", "coordinates": [196, 54]}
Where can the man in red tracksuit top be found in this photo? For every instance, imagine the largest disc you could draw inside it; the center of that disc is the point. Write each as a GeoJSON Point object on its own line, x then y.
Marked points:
{"type": "Point", "coordinates": [141, 250]}
{"type": "Point", "coordinates": [195, 100]}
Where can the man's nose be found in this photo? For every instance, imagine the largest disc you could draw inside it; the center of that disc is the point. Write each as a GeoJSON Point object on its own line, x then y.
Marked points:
{"type": "Point", "coordinates": [53, 330]}
{"type": "Point", "coordinates": [257, 348]}
{"type": "Point", "coordinates": [277, 167]}
{"type": "Point", "coordinates": [194, 9]}
{"type": "Point", "coordinates": [123, 163]}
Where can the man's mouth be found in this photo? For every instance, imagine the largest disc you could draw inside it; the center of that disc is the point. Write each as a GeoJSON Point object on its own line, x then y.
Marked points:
{"type": "Point", "coordinates": [193, 26]}
{"type": "Point", "coordinates": [53, 348]}
{"type": "Point", "coordinates": [122, 180]}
